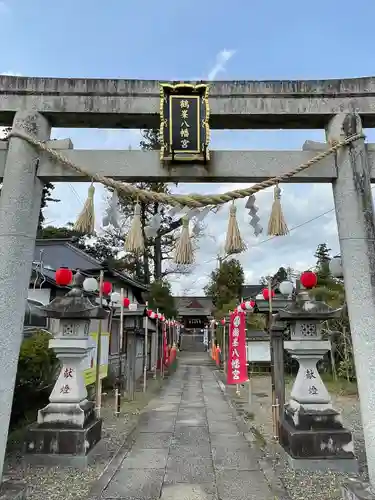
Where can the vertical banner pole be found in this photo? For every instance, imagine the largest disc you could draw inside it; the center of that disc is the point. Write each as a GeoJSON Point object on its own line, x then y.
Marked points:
{"type": "Point", "coordinates": [273, 394]}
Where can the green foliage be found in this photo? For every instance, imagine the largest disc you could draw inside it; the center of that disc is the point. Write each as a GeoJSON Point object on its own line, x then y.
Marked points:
{"type": "Point", "coordinates": [255, 322]}
{"type": "Point", "coordinates": [103, 248]}
{"type": "Point", "coordinates": [36, 372]}
{"type": "Point", "coordinates": [224, 310]}
{"type": "Point", "coordinates": [225, 283]}
{"type": "Point", "coordinates": [151, 140]}
{"type": "Point", "coordinates": [322, 255]}
{"type": "Point", "coordinates": [160, 297]}
{"type": "Point", "coordinates": [36, 363]}
{"type": "Point", "coordinates": [52, 232]}
{"type": "Point", "coordinates": [331, 291]}
{"type": "Point", "coordinates": [281, 275]}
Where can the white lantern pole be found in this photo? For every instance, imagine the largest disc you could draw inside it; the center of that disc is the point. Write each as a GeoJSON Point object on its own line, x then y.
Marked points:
{"type": "Point", "coordinates": [120, 349]}
{"type": "Point", "coordinates": [98, 380]}
{"type": "Point", "coordinates": [157, 341]}
{"type": "Point", "coordinates": [146, 352]}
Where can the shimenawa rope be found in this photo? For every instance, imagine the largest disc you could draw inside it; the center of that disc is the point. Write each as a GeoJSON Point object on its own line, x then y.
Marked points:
{"type": "Point", "coordinates": [191, 200]}
{"type": "Point", "coordinates": [184, 252]}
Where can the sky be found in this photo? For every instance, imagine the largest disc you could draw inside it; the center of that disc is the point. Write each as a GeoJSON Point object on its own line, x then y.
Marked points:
{"type": "Point", "coordinates": [169, 40]}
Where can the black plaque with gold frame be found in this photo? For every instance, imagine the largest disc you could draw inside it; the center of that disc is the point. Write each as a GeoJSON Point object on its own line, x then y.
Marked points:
{"type": "Point", "coordinates": [184, 122]}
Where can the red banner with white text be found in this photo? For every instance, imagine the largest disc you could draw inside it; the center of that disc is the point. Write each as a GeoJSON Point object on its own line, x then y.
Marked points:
{"type": "Point", "coordinates": [237, 367]}
{"type": "Point", "coordinates": [165, 345]}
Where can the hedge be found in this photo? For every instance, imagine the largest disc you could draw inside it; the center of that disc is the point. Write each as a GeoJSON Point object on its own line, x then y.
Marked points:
{"type": "Point", "coordinates": [36, 373]}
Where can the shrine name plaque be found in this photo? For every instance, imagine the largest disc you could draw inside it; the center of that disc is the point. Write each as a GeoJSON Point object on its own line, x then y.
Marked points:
{"type": "Point", "coordinates": [184, 122]}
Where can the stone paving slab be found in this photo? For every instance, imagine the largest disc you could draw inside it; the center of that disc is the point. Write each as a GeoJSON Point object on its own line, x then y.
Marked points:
{"type": "Point", "coordinates": [242, 485]}
{"type": "Point", "coordinates": [147, 440]}
{"type": "Point", "coordinates": [239, 460]}
{"type": "Point", "coordinates": [158, 426]}
{"type": "Point", "coordinates": [146, 459]}
{"type": "Point", "coordinates": [194, 470]}
{"type": "Point", "coordinates": [228, 427]}
{"type": "Point", "coordinates": [188, 447]}
{"type": "Point", "coordinates": [135, 484]}
{"type": "Point", "coordinates": [191, 422]}
{"type": "Point", "coordinates": [183, 491]}
{"type": "Point", "coordinates": [192, 451]}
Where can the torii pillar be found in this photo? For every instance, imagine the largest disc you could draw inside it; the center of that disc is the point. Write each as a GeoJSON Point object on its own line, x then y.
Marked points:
{"type": "Point", "coordinates": [20, 203]}
{"type": "Point", "coordinates": [356, 229]}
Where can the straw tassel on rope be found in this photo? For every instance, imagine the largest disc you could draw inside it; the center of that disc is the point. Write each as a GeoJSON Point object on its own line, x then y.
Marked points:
{"type": "Point", "coordinates": [184, 249]}
{"type": "Point", "coordinates": [85, 223]}
{"type": "Point", "coordinates": [233, 242]}
{"type": "Point", "coordinates": [277, 225]}
{"type": "Point", "coordinates": [134, 241]}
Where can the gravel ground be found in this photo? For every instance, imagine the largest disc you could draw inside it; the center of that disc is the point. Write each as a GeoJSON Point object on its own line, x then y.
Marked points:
{"type": "Point", "coordinates": [66, 483]}
{"type": "Point", "coordinates": [302, 485]}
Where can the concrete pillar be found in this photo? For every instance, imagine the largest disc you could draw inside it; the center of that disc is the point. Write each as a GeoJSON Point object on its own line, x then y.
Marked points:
{"type": "Point", "coordinates": [19, 212]}
{"type": "Point", "coordinates": [356, 228]}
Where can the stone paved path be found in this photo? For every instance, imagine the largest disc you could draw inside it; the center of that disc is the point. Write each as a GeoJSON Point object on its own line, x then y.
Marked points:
{"type": "Point", "coordinates": [188, 446]}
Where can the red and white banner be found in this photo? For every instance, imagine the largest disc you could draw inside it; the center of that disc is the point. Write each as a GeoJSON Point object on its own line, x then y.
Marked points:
{"type": "Point", "coordinates": [237, 367]}
{"type": "Point", "coordinates": [165, 346]}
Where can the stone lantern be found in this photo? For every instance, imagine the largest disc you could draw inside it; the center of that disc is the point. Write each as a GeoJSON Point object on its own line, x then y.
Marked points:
{"type": "Point", "coordinates": [311, 431]}
{"type": "Point", "coordinates": [67, 428]}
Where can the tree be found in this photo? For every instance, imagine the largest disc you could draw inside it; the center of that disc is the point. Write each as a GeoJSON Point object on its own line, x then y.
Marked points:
{"type": "Point", "coordinates": [225, 283]}
{"type": "Point", "coordinates": [47, 188]}
{"type": "Point", "coordinates": [331, 291]}
{"type": "Point", "coordinates": [280, 276]}
{"type": "Point", "coordinates": [322, 263]}
{"type": "Point", "coordinates": [160, 297]}
{"type": "Point", "coordinates": [103, 248]}
{"type": "Point", "coordinates": [159, 249]}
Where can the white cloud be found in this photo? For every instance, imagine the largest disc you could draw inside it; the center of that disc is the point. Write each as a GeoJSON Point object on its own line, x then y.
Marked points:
{"type": "Point", "coordinates": [220, 65]}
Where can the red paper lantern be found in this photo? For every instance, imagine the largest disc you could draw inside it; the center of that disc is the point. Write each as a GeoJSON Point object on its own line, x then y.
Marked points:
{"type": "Point", "coordinates": [222, 321]}
{"type": "Point", "coordinates": [265, 293]}
{"type": "Point", "coordinates": [63, 276]}
{"type": "Point", "coordinates": [243, 306]}
{"type": "Point", "coordinates": [126, 302]}
{"type": "Point", "coordinates": [106, 288]}
{"type": "Point", "coordinates": [308, 279]}
{"type": "Point", "coordinates": [148, 312]}
{"type": "Point", "coordinates": [252, 303]}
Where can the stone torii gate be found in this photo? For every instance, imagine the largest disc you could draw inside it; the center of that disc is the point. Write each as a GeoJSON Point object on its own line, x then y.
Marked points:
{"type": "Point", "coordinates": [341, 107]}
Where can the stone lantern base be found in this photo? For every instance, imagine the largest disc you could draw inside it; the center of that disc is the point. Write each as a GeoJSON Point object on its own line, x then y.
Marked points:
{"type": "Point", "coordinates": [61, 444]}
{"type": "Point", "coordinates": [315, 439]}
{"type": "Point", "coordinates": [12, 491]}
{"type": "Point", "coordinates": [357, 490]}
